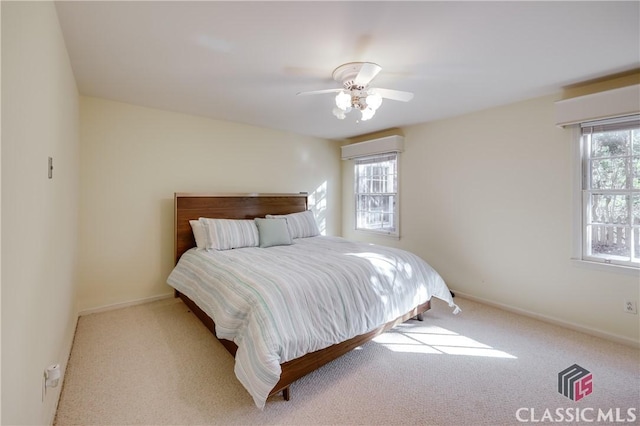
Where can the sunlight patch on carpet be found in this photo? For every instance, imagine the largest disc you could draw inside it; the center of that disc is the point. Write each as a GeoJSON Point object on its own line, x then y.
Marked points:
{"type": "Point", "coordinates": [435, 340]}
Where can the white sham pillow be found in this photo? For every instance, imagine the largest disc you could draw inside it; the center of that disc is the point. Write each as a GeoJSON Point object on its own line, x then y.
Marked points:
{"type": "Point", "coordinates": [198, 234]}
{"type": "Point", "coordinates": [226, 234]}
{"type": "Point", "coordinates": [301, 225]}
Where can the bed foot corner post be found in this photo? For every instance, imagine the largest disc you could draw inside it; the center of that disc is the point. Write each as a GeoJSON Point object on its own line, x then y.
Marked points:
{"type": "Point", "coordinates": [286, 394]}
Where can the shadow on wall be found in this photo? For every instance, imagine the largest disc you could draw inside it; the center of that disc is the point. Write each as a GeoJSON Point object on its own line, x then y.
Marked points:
{"type": "Point", "coordinates": [318, 203]}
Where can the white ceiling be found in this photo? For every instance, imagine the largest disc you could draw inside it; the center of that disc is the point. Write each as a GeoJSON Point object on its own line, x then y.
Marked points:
{"type": "Point", "coordinates": [245, 61]}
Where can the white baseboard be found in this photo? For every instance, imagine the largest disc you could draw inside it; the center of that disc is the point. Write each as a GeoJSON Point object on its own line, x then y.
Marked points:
{"type": "Point", "coordinates": [566, 324]}
{"type": "Point", "coordinates": [124, 304]}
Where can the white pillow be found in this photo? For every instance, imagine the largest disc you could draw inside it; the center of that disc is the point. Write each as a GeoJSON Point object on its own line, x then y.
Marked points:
{"type": "Point", "coordinates": [225, 234]}
{"type": "Point", "coordinates": [198, 233]}
{"type": "Point", "coordinates": [301, 225]}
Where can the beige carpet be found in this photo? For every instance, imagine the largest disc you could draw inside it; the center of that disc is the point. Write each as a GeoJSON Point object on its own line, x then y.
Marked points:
{"type": "Point", "coordinates": [156, 364]}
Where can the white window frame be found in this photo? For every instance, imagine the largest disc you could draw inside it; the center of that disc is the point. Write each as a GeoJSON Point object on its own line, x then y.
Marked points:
{"type": "Point", "coordinates": [394, 230]}
{"type": "Point", "coordinates": [582, 248]}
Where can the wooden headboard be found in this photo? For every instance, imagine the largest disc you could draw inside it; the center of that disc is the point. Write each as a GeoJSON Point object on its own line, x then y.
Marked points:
{"type": "Point", "coordinates": [227, 206]}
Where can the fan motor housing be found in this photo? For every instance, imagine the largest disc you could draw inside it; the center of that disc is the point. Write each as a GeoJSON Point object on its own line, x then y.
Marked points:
{"type": "Point", "coordinates": [351, 85]}
{"type": "Point", "coordinates": [347, 73]}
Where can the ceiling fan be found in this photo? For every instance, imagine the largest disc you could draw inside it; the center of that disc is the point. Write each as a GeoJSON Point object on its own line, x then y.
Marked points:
{"type": "Point", "coordinates": [356, 93]}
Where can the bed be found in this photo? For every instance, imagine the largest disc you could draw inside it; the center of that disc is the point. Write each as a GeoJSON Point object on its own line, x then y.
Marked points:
{"type": "Point", "coordinates": [250, 291]}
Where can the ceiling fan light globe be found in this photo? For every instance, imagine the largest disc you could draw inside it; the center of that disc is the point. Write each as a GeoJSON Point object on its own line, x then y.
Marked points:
{"type": "Point", "coordinates": [339, 113]}
{"type": "Point", "coordinates": [374, 101]}
{"type": "Point", "coordinates": [367, 113]}
{"type": "Point", "coordinates": [343, 100]}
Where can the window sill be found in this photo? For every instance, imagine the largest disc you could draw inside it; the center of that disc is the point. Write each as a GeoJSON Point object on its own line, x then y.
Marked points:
{"type": "Point", "coordinates": [378, 234]}
{"type": "Point", "coordinates": [606, 267]}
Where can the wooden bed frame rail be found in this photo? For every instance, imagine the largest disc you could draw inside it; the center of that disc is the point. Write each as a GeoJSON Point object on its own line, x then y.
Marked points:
{"type": "Point", "coordinates": [300, 367]}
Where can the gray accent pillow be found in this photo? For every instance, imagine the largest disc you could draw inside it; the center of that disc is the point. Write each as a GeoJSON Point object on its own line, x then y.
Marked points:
{"type": "Point", "coordinates": [273, 232]}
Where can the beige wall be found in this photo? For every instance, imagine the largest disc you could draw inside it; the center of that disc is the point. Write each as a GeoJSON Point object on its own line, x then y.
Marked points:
{"type": "Point", "coordinates": [486, 198]}
{"type": "Point", "coordinates": [132, 161]}
{"type": "Point", "coordinates": [39, 215]}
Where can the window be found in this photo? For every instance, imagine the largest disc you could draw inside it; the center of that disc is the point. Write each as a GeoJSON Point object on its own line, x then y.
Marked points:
{"type": "Point", "coordinates": [376, 193]}
{"type": "Point", "coordinates": [611, 191]}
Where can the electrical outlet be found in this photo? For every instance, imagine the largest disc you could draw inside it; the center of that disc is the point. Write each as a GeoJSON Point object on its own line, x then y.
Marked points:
{"type": "Point", "coordinates": [630, 307]}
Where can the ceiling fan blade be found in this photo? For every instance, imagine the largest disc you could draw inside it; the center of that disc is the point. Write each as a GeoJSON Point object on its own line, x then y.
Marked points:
{"type": "Point", "coordinates": [318, 92]}
{"type": "Point", "coordinates": [395, 95]}
{"type": "Point", "coordinates": [367, 73]}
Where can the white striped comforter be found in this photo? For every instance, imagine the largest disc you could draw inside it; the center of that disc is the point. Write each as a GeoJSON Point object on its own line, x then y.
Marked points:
{"type": "Point", "coordinates": [279, 303]}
